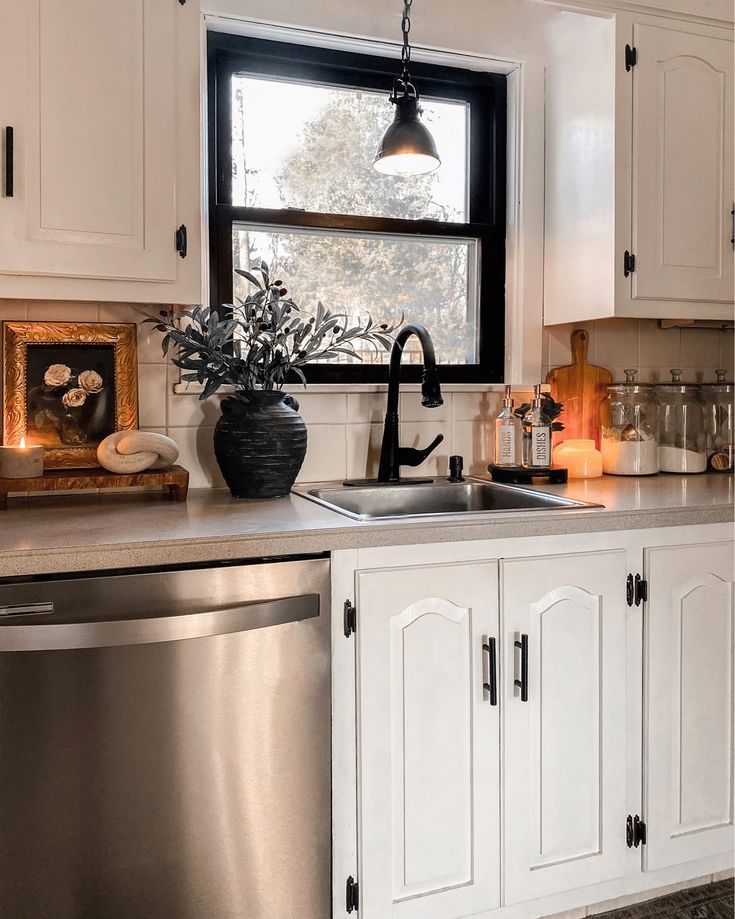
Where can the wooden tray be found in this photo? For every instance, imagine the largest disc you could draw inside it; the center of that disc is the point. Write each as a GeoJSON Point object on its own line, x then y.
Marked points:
{"type": "Point", "coordinates": [522, 475]}
{"type": "Point", "coordinates": [174, 481]}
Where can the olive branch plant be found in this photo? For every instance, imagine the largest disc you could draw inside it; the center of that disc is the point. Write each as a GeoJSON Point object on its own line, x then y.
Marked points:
{"type": "Point", "coordinates": [257, 342]}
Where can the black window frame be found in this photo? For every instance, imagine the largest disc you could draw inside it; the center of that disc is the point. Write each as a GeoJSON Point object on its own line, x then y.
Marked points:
{"type": "Point", "coordinates": [486, 94]}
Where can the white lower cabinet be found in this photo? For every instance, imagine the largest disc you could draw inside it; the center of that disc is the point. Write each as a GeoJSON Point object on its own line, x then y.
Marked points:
{"type": "Point", "coordinates": [564, 750]}
{"type": "Point", "coordinates": [688, 751]}
{"type": "Point", "coordinates": [429, 812]}
{"type": "Point", "coordinates": [506, 695]}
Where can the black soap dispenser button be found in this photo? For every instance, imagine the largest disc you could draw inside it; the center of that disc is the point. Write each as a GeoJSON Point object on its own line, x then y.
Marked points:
{"type": "Point", "coordinates": [456, 464]}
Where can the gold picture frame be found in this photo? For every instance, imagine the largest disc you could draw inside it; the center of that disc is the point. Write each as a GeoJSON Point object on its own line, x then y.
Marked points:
{"type": "Point", "coordinates": [79, 398]}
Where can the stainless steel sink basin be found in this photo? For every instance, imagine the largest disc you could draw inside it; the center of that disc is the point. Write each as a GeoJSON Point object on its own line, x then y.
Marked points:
{"type": "Point", "coordinates": [435, 499]}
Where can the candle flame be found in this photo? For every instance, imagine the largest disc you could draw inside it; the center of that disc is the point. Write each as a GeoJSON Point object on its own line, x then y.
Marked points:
{"type": "Point", "coordinates": [22, 443]}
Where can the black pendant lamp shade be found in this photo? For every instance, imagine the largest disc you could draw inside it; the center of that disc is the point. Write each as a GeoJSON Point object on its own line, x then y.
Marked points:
{"type": "Point", "coordinates": [407, 147]}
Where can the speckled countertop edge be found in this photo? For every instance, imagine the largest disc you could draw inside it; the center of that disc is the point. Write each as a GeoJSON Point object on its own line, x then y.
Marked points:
{"type": "Point", "coordinates": [212, 527]}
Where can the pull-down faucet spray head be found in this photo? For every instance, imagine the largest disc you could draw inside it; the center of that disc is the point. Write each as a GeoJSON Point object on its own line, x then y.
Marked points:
{"type": "Point", "coordinates": [431, 394]}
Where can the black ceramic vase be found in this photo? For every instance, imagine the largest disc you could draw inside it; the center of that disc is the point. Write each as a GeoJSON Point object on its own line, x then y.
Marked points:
{"type": "Point", "coordinates": [260, 443]}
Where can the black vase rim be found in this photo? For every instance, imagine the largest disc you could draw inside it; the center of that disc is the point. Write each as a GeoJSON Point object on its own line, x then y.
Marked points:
{"type": "Point", "coordinates": [259, 395]}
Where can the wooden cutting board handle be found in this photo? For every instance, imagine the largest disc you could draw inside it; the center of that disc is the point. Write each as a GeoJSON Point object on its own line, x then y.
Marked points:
{"type": "Point", "coordinates": [580, 346]}
{"type": "Point", "coordinates": [580, 387]}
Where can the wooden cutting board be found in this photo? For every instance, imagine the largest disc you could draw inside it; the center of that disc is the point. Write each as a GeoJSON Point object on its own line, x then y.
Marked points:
{"type": "Point", "coordinates": [580, 387]}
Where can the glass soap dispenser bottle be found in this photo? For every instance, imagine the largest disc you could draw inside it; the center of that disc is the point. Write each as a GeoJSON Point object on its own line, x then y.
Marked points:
{"type": "Point", "coordinates": [507, 434]}
{"type": "Point", "coordinates": [536, 434]}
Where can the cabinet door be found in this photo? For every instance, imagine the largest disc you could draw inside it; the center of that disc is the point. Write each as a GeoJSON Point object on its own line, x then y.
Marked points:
{"type": "Point", "coordinates": [428, 742]}
{"type": "Point", "coordinates": [688, 693]}
{"type": "Point", "coordinates": [564, 751]}
{"type": "Point", "coordinates": [682, 165]}
{"type": "Point", "coordinates": [90, 89]}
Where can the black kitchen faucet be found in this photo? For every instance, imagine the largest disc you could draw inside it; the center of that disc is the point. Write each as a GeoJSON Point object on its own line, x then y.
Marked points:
{"type": "Point", "coordinates": [392, 455]}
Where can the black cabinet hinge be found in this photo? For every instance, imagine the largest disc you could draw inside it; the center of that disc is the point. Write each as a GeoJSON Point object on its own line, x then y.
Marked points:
{"type": "Point", "coordinates": [628, 263]}
{"type": "Point", "coordinates": [352, 895]}
{"type": "Point", "coordinates": [350, 619]}
{"type": "Point", "coordinates": [630, 590]}
{"type": "Point", "coordinates": [180, 240]}
{"type": "Point", "coordinates": [636, 833]}
{"type": "Point", "coordinates": [631, 56]}
{"type": "Point", "coordinates": [641, 590]}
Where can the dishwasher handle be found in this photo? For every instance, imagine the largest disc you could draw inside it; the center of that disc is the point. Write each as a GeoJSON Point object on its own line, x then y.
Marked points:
{"type": "Point", "coordinates": [116, 632]}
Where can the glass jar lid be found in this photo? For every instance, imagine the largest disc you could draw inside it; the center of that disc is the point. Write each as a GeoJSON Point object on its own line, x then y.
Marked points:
{"type": "Point", "coordinates": [722, 385]}
{"type": "Point", "coordinates": [677, 385]}
{"type": "Point", "coordinates": [630, 385]}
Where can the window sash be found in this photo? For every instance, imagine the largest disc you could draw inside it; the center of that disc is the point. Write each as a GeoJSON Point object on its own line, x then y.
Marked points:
{"type": "Point", "coordinates": [486, 96]}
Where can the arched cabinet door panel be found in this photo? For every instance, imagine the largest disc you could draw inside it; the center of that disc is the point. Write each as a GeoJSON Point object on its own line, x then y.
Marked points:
{"type": "Point", "coordinates": [682, 165]}
{"type": "Point", "coordinates": [429, 742]}
{"type": "Point", "coordinates": [564, 750]}
{"type": "Point", "coordinates": [688, 703]}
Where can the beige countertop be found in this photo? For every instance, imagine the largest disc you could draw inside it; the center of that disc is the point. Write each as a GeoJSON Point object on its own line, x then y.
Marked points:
{"type": "Point", "coordinates": [77, 533]}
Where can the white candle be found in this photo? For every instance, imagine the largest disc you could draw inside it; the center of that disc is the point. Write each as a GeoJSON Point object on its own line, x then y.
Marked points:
{"type": "Point", "coordinates": [21, 461]}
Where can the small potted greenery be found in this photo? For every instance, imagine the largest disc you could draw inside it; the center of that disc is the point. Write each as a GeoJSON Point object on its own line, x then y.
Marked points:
{"type": "Point", "coordinates": [257, 345]}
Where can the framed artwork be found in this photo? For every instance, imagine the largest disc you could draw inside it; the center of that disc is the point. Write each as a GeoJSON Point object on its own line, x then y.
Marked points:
{"type": "Point", "coordinates": [67, 385]}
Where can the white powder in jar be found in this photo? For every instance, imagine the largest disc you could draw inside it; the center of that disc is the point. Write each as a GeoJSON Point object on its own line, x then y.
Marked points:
{"type": "Point", "coordinates": [676, 459]}
{"type": "Point", "coordinates": [629, 457]}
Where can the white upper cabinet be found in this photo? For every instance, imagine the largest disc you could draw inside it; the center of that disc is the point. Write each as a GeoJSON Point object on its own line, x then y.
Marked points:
{"type": "Point", "coordinates": [688, 695]}
{"type": "Point", "coordinates": [429, 808]}
{"type": "Point", "coordinates": [639, 170]}
{"type": "Point", "coordinates": [682, 166]}
{"type": "Point", "coordinates": [93, 92]}
{"type": "Point", "coordinates": [564, 749]}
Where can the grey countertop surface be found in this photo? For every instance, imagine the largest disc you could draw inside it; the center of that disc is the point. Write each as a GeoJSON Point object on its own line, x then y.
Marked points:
{"type": "Point", "coordinates": [81, 533]}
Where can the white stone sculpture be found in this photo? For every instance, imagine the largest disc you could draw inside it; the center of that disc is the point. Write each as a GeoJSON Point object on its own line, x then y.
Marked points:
{"type": "Point", "coordinates": [128, 452]}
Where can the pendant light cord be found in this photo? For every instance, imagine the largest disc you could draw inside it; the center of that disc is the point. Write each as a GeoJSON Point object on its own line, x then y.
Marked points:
{"type": "Point", "coordinates": [402, 84]}
{"type": "Point", "coordinates": [406, 49]}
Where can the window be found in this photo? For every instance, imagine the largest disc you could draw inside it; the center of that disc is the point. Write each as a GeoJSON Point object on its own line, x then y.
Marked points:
{"type": "Point", "coordinates": [293, 131]}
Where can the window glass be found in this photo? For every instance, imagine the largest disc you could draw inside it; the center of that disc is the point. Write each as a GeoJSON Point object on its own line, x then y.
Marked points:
{"type": "Point", "coordinates": [429, 280]}
{"type": "Point", "coordinates": [311, 147]}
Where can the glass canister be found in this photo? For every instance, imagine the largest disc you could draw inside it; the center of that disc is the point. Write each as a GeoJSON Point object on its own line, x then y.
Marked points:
{"type": "Point", "coordinates": [682, 445]}
{"type": "Point", "coordinates": [719, 410]}
{"type": "Point", "coordinates": [629, 428]}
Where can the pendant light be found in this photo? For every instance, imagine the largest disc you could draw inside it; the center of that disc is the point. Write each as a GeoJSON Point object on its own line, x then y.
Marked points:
{"type": "Point", "coordinates": [407, 147]}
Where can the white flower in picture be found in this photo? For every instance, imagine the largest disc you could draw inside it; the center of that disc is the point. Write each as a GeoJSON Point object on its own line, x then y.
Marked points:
{"type": "Point", "coordinates": [57, 375]}
{"type": "Point", "coordinates": [90, 381]}
{"type": "Point", "coordinates": [75, 398]}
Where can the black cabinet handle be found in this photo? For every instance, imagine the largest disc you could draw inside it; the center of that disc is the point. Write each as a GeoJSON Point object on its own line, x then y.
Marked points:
{"type": "Point", "coordinates": [523, 682]}
{"type": "Point", "coordinates": [491, 687]}
{"type": "Point", "coordinates": [8, 161]}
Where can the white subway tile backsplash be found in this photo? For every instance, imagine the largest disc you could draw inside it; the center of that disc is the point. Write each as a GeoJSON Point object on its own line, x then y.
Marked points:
{"type": "Point", "coordinates": [411, 409]}
{"type": "Point", "coordinates": [151, 395]}
{"type": "Point", "coordinates": [700, 348]}
{"type": "Point", "coordinates": [365, 407]}
{"type": "Point", "coordinates": [363, 450]}
{"type": "Point", "coordinates": [473, 440]}
{"type": "Point", "coordinates": [321, 408]}
{"type": "Point", "coordinates": [196, 453]}
{"type": "Point", "coordinates": [12, 310]}
{"type": "Point", "coordinates": [345, 429]}
{"type": "Point", "coordinates": [149, 341]}
{"type": "Point", "coordinates": [727, 353]}
{"type": "Point", "coordinates": [616, 343]}
{"type": "Point", "coordinates": [659, 347]}
{"type": "Point", "coordinates": [61, 311]}
{"type": "Point", "coordinates": [326, 454]}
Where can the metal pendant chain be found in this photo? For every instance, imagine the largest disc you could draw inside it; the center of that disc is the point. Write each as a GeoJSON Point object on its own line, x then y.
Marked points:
{"type": "Point", "coordinates": [406, 49]}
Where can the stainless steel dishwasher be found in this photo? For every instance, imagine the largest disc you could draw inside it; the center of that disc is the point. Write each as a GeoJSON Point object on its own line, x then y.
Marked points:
{"type": "Point", "coordinates": [165, 744]}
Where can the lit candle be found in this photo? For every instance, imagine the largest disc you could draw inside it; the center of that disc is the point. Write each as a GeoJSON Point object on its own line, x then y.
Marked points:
{"type": "Point", "coordinates": [21, 461]}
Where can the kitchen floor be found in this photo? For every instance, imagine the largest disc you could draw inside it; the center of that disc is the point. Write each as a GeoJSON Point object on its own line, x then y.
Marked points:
{"type": "Point", "coordinates": [711, 901]}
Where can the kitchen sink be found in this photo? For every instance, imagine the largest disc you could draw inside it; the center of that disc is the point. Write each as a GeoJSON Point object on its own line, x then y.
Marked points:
{"type": "Point", "coordinates": [438, 498]}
